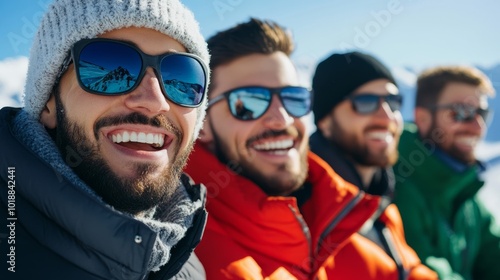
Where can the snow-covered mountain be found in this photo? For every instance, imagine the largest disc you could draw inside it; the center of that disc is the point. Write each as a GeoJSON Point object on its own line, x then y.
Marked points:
{"type": "Point", "coordinates": [13, 71]}
{"type": "Point", "coordinates": [117, 80]}
{"type": "Point", "coordinates": [490, 193]}
{"type": "Point", "coordinates": [406, 78]}
{"type": "Point", "coordinates": [120, 79]}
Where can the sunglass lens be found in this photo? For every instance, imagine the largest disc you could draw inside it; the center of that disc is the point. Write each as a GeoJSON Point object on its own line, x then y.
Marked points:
{"type": "Point", "coordinates": [365, 104]}
{"type": "Point", "coordinates": [108, 67]}
{"type": "Point", "coordinates": [296, 100]}
{"type": "Point", "coordinates": [394, 101]}
{"type": "Point", "coordinates": [249, 103]}
{"type": "Point", "coordinates": [183, 79]}
{"type": "Point", "coordinates": [485, 114]}
{"type": "Point", "coordinates": [465, 113]}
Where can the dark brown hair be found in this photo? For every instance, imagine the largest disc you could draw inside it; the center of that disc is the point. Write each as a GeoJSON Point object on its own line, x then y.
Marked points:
{"type": "Point", "coordinates": [431, 82]}
{"type": "Point", "coordinates": [254, 36]}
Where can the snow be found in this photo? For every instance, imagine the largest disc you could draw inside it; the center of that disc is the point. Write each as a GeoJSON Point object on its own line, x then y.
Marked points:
{"type": "Point", "coordinates": [490, 193]}
{"type": "Point", "coordinates": [89, 71]}
{"type": "Point", "coordinates": [12, 79]}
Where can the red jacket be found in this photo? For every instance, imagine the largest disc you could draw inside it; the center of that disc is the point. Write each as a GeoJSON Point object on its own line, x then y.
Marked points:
{"type": "Point", "coordinates": [250, 235]}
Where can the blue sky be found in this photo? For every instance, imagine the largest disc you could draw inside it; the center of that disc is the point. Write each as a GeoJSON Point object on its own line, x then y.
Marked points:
{"type": "Point", "coordinates": [416, 33]}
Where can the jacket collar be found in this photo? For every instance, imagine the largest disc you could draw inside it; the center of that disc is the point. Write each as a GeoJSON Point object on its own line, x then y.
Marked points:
{"type": "Point", "coordinates": [429, 172]}
{"type": "Point", "coordinates": [383, 181]}
{"type": "Point", "coordinates": [92, 236]}
{"type": "Point", "coordinates": [244, 211]}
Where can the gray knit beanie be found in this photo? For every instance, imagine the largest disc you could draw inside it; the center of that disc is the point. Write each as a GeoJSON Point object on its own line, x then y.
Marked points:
{"type": "Point", "coordinates": [68, 21]}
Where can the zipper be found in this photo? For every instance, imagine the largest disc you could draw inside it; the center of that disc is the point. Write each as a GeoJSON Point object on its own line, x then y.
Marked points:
{"type": "Point", "coordinates": [305, 228]}
{"type": "Point", "coordinates": [350, 205]}
{"type": "Point", "coordinates": [388, 241]}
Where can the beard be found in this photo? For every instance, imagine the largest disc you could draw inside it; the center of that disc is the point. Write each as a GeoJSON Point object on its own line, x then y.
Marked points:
{"type": "Point", "coordinates": [271, 185]}
{"type": "Point", "coordinates": [131, 195]}
{"type": "Point", "coordinates": [358, 151]}
{"type": "Point", "coordinates": [452, 150]}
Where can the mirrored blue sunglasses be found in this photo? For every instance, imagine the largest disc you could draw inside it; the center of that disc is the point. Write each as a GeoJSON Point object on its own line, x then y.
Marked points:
{"type": "Point", "coordinates": [251, 102]}
{"type": "Point", "coordinates": [112, 67]}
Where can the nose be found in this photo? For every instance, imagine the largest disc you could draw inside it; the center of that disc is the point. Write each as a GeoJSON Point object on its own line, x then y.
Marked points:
{"type": "Point", "coordinates": [276, 116]}
{"type": "Point", "coordinates": [148, 97]}
{"type": "Point", "coordinates": [477, 125]}
{"type": "Point", "coordinates": [384, 111]}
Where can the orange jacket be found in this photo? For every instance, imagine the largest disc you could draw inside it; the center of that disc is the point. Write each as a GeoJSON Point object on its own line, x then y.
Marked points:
{"type": "Point", "coordinates": [361, 258]}
{"type": "Point", "coordinates": [250, 235]}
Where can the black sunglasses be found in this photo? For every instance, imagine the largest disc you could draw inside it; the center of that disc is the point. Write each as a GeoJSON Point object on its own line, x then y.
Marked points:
{"type": "Point", "coordinates": [464, 112]}
{"type": "Point", "coordinates": [111, 67]}
{"type": "Point", "coordinates": [250, 103]}
{"type": "Point", "coordinates": [369, 103]}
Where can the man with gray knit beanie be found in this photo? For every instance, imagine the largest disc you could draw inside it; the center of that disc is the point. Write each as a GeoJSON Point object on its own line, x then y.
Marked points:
{"type": "Point", "coordinates": [92, 183]}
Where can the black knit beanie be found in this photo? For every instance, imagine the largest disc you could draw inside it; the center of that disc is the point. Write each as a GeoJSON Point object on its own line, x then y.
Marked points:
{"type": "Point", "coordinates": [339, 75]}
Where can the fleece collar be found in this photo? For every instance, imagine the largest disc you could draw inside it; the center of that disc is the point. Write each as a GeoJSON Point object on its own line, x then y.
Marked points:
{"type": "Point", "coordinates": [170, 223]}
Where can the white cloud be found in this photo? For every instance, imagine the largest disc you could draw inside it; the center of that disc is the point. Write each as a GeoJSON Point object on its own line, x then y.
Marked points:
{"type": "Point", "coordinates": [12, 79]}
{"type": "Point", "coordinates": [405, 76]}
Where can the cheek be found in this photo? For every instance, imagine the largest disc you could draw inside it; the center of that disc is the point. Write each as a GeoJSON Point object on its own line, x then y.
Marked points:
{"type": "Point", "coordinates": [187, 124]}
{"type": "Point", "coordinates": [303, 127]}
{"type": "Point", "coordinates": [237, 135]}
{"type": "Point", "coordinates": [85, 109]}
{"type": "Point", "coordinates": [234, 134]}
{"type": "Point", "coordinates": [348, 121]}
{"type": "Point", "coordinates": [81, 108]}
{"type": "Point", "coordinates": [75, 100]}
{"type": "Point", "coordinates": [354, 126]}
{"type": "Point", "coordinates": [399, 122]}
{"type": "Point", "coordinates": [443, 132]}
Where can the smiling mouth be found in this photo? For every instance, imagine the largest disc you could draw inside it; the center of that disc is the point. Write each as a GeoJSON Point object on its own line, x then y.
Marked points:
{"type": "Point", "coordinates": [276, 147]}
{"type": "Point", "coordinates": [381, 136]}
{"type": "Point", "coordinates": [468, 141]}
{"type": "Point", "coordinates": [139, 140]}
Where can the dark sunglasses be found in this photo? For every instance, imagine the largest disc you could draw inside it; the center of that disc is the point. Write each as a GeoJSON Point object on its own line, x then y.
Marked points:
{"type": "Point", "coordinates": [368, 103]}
{"type": "Point", "coordinates": [464, 112]}
{"type": "Point", "coordinates": [111, 67]}
{"type": "Point", "coordinates": [250, 103]}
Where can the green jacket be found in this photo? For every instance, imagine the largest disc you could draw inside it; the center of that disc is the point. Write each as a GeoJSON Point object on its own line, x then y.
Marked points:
{"type": "Point", "coordinates": [444, 221]}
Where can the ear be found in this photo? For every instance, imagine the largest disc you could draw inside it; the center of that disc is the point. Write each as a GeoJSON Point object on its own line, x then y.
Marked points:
{"type": "Point", "coordinates": [206, 135]}
{"type": "Point", "coordinates": [48, 117]}
{"type": "Point", "coordinates": [423, 119]}
{"type": "Point", "coordinates": [324, 126]}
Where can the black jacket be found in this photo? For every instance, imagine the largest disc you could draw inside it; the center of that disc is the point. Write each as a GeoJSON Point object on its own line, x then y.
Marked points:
{"type": "Point", "coordinates": [56, 231]}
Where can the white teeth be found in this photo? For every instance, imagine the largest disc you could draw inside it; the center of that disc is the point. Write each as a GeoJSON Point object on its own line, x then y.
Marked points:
{"type": "Point", "coordinates": [381, 135]}
{"type": "Point", "coordinates": [150, 138]}
{"type": "Point", "coordinates": [126, 136]}
{"type": "Point", "coordinates": [471, 141]}
{"type": "Point", "coordinates": [155, 139]}
{"type": "Point", "coordinates": [276, 145]}
{"type": "Point", "coordinates": [133, 137]}
{"type": "Point", "coordinates": [141, 137]}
